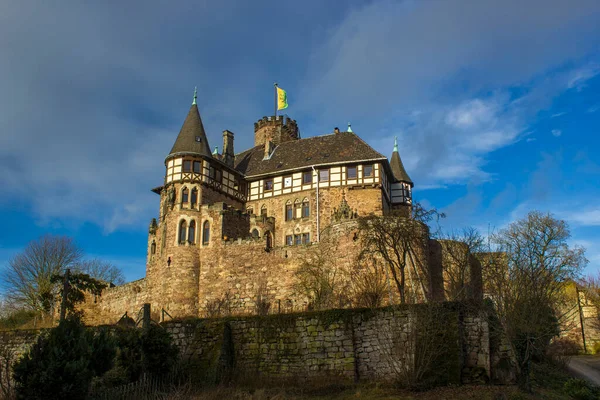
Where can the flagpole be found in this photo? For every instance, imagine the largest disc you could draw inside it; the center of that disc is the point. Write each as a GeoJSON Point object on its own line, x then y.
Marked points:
{"type": "Point", "coordinates": [275, 88]}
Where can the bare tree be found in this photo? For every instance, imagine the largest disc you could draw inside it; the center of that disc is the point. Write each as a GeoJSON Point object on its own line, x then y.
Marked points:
{"type": "Point", "coordinates": [458, 261]}
{"type": "Point", "coordinates": [321, 277]}
{"type": "Point", "coordinates": [400, 242]}
{"type": "Point", "coordinates": [27, 278]}
{"type": "Point", "coordinates": [102, 270]}
{"type": "Point", "coordinates": [527, 289]}
{"type": "Point", "coordinates": [368, 283]}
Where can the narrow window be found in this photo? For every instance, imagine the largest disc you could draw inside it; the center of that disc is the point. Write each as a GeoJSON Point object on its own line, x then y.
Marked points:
{"type": "Point", "coordinates": [289, 212]}
{"type": "Point", "coordinates": [250, 210]}
{"type": "Point", "coordinates": [323, 175]}
{"type": "Point", "coordinates": [297, 240]}
{"type": "Point", "coordinates": [268, 240]}
{"type": "Point", "coordinates": [255, 233]}
{"type": "Point", "coordinates": [367, 171]}
{"type": "Point", "coordinates": [351, 173]}
{"type": "Point", "coordinates": [263, 211]}
{"type": "Point", "coordinates": [182, 232]}
{"type": "Point", "coordinates": [185, 194]}
{"type": "Point", "coordinates": [289, 240]}
{"type": "Point", "coordinates": [194, 196]}
{"type": "Point", "coordinates": [306, 177]}
{"type": "Point", "coordinates": [306, 238]}
{"type": "Point", "coordinates": [218, 175]}
{"type": "Point", "coordinates": [211, 172]}
{"type": "Point", "coordinates": [287, 182]}
{"type": "Point", "coordinates": [192, 232]}
{"type": "Point", "coordinates": [197, 167]}
{"type": "Point", "coordinates": [205, 233]}
{"type": "Point", "coordinates": [187, 166]}
{"type": "Point", "coordinates": [305, 209]}
{"type": "Point", "coordinates": [268, 184]}
{"type": "Point", "coordinates": [297, 209]}
{"type": "Point", "coordinates": [153, 247]}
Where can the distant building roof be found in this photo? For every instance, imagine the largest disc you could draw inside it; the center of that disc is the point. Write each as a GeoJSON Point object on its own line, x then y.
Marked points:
{"type": "Point", "coordinates": [302, 153]}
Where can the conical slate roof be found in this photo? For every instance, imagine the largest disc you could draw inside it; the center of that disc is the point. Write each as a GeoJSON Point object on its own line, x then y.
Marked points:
{"type": "Point", "coordinates": [397, 166]}
{"type": "Point", "coordinates": [192, 137]}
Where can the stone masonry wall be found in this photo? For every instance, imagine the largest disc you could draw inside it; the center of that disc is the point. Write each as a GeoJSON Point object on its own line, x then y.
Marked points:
{"type": "Point", "coordinates": [347, 344]}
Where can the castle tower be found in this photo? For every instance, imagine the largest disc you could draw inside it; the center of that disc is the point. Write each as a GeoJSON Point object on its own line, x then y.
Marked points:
{"type": "Point", "coordinates": [194, 180]}
{"type": "Point", "coordinates": [278, 129]}
{"type": "Point", "coordinates": [402, 184]}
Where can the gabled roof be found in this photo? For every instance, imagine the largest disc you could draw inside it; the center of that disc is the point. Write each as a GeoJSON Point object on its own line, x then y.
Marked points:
{"type": "Point", "coordinates": [302, 153]}
{"type": "Point", "coordinates": [192, 137]}
{"type": "Point", "coordinates": [398, 168]}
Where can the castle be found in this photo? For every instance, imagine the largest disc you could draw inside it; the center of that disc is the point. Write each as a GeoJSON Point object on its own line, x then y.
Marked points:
{"type": "Point", "coordinates": [230, 225]}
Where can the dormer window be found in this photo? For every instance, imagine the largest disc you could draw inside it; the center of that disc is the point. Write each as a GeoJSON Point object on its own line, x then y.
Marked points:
{"type": "Point", "coordinates": [198, 139]}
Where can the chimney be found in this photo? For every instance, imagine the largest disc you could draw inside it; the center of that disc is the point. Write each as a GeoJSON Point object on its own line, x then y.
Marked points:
{"type": "Point", "coordinates": [336, 130]}
{"type": "Point", "coordinates": [228, 154]}
{"type": "Point", "coordinates": [269, 147]}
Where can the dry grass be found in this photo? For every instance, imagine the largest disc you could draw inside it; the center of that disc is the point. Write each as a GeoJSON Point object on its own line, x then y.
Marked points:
{"type": "Point", "coordinates": [367, 392]}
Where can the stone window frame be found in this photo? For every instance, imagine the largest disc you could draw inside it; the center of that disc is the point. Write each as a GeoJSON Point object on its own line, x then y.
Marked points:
{"type": "Point", "coordinates": [297, 209]}
{"type": "Point", "coordinates": [297, 239]}
{"type": "Point", "coordinates": [185, 195]}
{"type": "Point", "coordinates": [306, 238]}
{"type": "Point", "coordinates": [206, 232]}
{"type": "Point", "coordinates": [196, 192]}
{"type": "Point", "coordinates": [192, 232]}
{"type": "Point", "coordinates": [182, 232]}
{"type": "Point", "coordinates": [257, 235]}
{"type": "Point", "coordinates": [305, 207]}
{"type": "Point", "coordinates": [250, 210]}
{"type": "Point", "coordinates": [153, 248]}
{"type": "Point", "coordinates": [264, 211]}
{"type": "Point", "coordinates": [289, 240]}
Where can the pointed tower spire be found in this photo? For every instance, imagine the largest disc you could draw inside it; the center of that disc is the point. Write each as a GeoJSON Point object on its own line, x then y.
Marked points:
{"type": "Point", "coordinates": [349, 128]}
{"type": "Point", "coordinates": [216, 151]}
{"type": "Point", "coordinates": [397, 167]}
{"type": "Point", "coordinates": [195, 95]}
{"type": "Point", "coordinates": [192, 137]}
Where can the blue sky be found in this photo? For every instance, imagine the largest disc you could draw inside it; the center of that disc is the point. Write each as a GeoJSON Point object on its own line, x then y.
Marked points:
{"type": "Point", "coordinates": [495, 104]}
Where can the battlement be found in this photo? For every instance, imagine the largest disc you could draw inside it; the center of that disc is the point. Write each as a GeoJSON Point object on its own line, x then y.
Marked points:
{"type": "Point", "coordinates": [276, 128]}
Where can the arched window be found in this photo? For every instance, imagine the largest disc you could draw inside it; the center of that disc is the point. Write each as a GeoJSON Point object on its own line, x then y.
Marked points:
{"type": "Point", "coordinates": [194, 199]}
{"type": "Point", "coordinates": [185, 194]}
{"type": "Point", "coordinates": [206, 232]}
{"type": "Point", "coordinates": [182, 231]}
{"type": "Point", "coordinates": [255, 233]}
{"type": "Point", "coordinates": [192, 232]}
{"type": "Point", "coordinates": [153, 248]}
{"type": "Point", "coordinates": [263, 210]}
{"type": "Point", "coordinates": [305, 208]}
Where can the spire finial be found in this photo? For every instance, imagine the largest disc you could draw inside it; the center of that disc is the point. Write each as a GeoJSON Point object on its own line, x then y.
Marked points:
{"type": "Point", "coordinates": [216, 150]}
{"type": "Point", "coordinates": [195, 95]}
{"type": "Point", "coordinates": [396, 144]}
{"type": "Point", "coordinates": [349, 127]}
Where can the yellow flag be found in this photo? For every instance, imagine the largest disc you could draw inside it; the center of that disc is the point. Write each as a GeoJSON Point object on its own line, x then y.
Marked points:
{"type": "Point", "coordinates": [281, 99]}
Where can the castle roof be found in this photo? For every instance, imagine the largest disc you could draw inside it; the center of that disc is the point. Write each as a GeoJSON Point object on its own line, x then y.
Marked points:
{"type": "Point", "coordinates": [334, 148]}
{"type": "Point", "coordinates": [398, 168]}
{"type": "Point", "coordinates": [192, 137]}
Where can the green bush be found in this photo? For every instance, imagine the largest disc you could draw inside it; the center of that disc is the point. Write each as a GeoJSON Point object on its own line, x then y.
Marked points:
{"type": "Point", "coordinates": [579, 389]}
{"type": "Point", "coordinates": [159, 352]}
{"type": "Point", "coordinates": [57, 366]}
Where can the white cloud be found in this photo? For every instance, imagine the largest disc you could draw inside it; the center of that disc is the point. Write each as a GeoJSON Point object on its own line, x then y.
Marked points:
{"type": "Point", "coordinates": [579, 77]}
{"type": "Point", "coordinates": [556, 132]}
{"type": "Point", "coordinates": [589, 217]}
{"type": "Point", "coordinates": [560, 114]}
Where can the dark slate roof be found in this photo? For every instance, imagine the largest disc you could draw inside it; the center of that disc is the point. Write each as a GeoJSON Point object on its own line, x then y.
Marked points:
{"type": "Point", "coordinates": [296, 154]}
{"type": "Point", "coordinates": [398, 169]}
{"type": "Point", "coordinates": [192, 137]}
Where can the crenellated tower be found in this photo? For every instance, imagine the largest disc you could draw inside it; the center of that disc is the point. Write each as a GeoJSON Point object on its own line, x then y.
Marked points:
{"type": "Point", "coordinates": [278, 129]}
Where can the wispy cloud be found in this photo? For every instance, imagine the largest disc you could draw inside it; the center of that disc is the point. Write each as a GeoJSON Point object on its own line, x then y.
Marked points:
{"type": "Point", "coordinates": [556, 132]}
{"type": "Point", "coordinates": [589, 217]}
{"type": "Point", "coordinates": [560, 114]}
